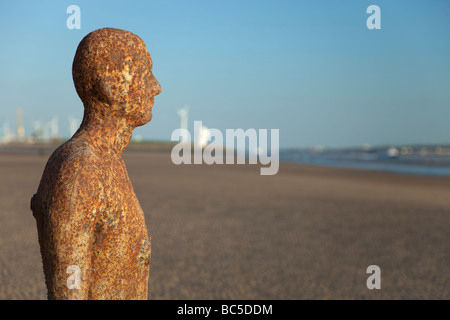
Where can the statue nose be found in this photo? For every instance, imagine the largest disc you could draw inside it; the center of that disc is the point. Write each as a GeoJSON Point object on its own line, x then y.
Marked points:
{"type": "Point", "coordinates": [156, 87]}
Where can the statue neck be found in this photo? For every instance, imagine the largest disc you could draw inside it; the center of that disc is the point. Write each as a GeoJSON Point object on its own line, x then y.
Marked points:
{"type": "Point", "coordinates": [105, 131]}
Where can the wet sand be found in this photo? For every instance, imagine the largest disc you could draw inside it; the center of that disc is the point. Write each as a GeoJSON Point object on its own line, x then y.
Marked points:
{"type": "Point", "coordinates": [226, 232]}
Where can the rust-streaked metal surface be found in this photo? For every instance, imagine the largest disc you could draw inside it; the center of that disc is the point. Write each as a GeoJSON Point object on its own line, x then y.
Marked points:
{"type": "Point", "coordinates": [86, 210]}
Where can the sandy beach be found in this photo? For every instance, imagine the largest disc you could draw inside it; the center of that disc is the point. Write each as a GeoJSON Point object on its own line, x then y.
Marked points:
{"type": "Point", "coordinates": [226, 232]}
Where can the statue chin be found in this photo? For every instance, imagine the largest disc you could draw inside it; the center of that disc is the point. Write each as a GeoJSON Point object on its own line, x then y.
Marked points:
{"type": "Point", "coordinates": [146, 118]}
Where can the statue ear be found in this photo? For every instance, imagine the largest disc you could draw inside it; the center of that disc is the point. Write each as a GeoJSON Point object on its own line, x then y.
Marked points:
{"type": "Point", "coordinates": [102, 91]}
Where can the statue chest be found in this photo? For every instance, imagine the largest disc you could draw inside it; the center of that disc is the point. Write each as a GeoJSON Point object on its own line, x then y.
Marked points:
{"type": "Point", "coordinates": [120, 219]}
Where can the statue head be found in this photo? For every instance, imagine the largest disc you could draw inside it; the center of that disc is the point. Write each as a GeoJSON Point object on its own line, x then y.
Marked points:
{"type": "Point", "coordinates": [112, 73]}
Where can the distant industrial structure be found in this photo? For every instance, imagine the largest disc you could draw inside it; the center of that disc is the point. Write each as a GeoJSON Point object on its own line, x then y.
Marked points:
{"type": "Point", "coordinates": [202, 134]}
{"type": "Point", "coordinates": [41, 131]}
{"type": "Point", "coordinates": [20, 127]}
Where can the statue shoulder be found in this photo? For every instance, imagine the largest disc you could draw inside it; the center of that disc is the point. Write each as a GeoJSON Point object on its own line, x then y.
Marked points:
{"type": "Point", "coordinates": [73, 175]}
{"type": "Point", "coordinates": [71, 164]}
{"type": "Point", "coordinates": [71, 157]}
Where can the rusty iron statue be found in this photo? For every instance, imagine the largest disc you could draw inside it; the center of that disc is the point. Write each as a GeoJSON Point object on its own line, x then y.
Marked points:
{"type": "Point", "coordinates": [92, 233]}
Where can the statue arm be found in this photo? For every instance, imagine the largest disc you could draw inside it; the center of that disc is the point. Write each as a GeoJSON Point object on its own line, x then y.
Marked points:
{"type": "Point", "coordinates": [70, 235]}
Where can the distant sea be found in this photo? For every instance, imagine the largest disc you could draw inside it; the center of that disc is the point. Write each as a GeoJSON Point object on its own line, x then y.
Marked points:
{"type": "Point", "coordinates": [417, 160]}
{"type": "Point", "coordinates": [429, 160]}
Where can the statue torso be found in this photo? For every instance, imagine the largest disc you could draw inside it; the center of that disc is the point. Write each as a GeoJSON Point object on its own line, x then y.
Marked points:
{"type": "Point", "coordinates": [112, 215]}
{"type": "Point", "coordinates": [121, 245]}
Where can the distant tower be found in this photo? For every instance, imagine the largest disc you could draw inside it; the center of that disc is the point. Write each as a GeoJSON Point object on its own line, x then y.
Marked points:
{"type": "Point", "coordinates": [183, 114]}
{"type": "Point", "coordinates": [54, 128]}
{"type": "Point", "coordinates": [20, 128]}
{"type": "Point", "coordinates": [73, 125]}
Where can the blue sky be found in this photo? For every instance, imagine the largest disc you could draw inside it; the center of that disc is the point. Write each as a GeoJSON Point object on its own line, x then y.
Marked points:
{"type": "Point", "coordinates": [311, 69]}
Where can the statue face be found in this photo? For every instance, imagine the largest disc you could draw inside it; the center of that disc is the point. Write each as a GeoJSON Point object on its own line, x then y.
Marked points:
{"type": "Point", "coordinates": [150, 89]}
{"type": "Point", "coordinates": [112, 72]}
